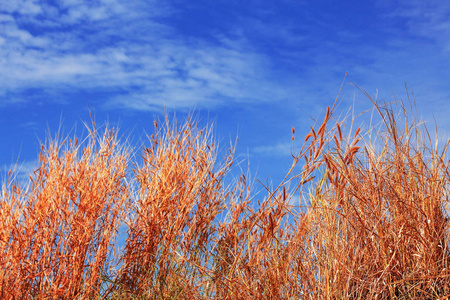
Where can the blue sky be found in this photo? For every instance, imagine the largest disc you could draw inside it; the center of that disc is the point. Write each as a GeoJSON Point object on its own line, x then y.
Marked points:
{"type": "Point", "coordinates": [255, 68]}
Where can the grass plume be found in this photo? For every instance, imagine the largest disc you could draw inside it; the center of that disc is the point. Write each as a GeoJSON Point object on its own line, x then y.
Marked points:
{"type": "Point", "coordinates": [373, 223]}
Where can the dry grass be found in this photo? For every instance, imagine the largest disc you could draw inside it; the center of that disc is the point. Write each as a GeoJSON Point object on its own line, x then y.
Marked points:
{"type": "Point", "coordinates": [57, 235]}
{"type": "Point", "coordinates": [375, 225]}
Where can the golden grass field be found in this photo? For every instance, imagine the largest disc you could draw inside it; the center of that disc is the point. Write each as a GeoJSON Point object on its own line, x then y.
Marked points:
{"type": "Point", "coordinates": [374, 224]}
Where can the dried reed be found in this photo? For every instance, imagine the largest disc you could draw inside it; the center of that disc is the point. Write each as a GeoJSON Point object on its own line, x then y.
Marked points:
{"type": "Point", "coordinates": [375, 225]}
{"type": "Point", "coordinates": [56, 236]}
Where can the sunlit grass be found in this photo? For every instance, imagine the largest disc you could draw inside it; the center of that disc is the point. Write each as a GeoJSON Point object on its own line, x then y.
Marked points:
{"type": "Point", "coordinates": [375, 226]}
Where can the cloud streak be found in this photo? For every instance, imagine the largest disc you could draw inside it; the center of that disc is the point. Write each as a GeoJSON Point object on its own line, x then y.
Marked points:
{"type": "Point", "coordinates": [119, 48]}
{"type": "Point", "coordinates": [142, 59]}
{"type": "Point", "coordinates": [277, 150]}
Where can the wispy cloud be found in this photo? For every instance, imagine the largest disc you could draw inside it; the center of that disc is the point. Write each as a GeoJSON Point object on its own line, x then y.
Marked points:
{"type": "Point", "coordinates": [277, 150]}
{"type": "Point", "coordinates": [142, 59]}
{"type": "Point", "coordinates": [120, 47]}
{"type": "Point", "coordinates": [425, 19]}
{"type": "Point", "coordinates": [20, 172]}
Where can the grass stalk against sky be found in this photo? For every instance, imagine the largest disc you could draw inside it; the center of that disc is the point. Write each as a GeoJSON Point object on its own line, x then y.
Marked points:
{"type": "Point", "coordinates": [373, 223]}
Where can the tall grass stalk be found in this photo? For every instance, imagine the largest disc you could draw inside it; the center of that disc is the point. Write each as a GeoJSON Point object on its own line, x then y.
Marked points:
{"type": "Point", "coordinates": [57, 235]}
{"type": "Point", "coordinates": [375, 224]}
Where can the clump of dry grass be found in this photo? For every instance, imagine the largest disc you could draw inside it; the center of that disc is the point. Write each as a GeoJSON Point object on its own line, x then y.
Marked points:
{"type": "Point", "coordinates": [379, 220]}
{"type": "Point", "coordinates": [171, 228]}
{"type": "Point", "coordinates": [56, 235]}
{"type": "Point", "coordinates": [375, 225]}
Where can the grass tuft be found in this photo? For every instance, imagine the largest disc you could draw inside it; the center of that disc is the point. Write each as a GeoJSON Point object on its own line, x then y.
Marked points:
{"type": "Point", "coordinates": [373, 223]}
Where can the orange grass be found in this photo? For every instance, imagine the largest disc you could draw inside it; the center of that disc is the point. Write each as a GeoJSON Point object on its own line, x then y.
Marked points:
{"type": "Point", "coordinates": [171, 226]}
{"type": "Point", "coordinates": [375, 223]}
{"type": "Point", "coordinates": [56, 235]}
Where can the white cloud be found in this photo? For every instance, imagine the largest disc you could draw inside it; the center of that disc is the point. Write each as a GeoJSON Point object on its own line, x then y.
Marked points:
{"type": "Point", "coordinates": [20, 172]}
{"type": "Point", "coordinates": [25, 7]}
{"type": "Point", "coordinates": [277, 150]}
{"type": "Point", "coordinates": [108, 44]}
{"type": "Point", "coordinates": [128, 50]}
{"type": "Point", "coordinates": [427, 19]}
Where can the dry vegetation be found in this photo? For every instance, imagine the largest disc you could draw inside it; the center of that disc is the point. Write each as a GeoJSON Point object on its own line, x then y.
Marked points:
{"type": "Point", "coordinates": [374, 225]}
